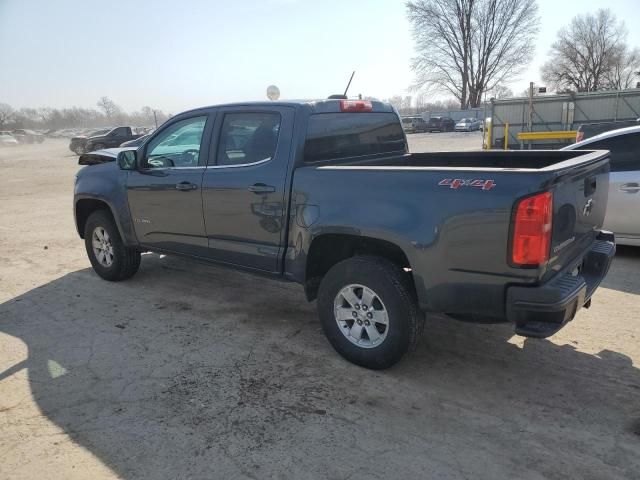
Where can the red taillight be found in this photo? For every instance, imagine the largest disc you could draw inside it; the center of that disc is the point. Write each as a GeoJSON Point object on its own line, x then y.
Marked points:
{"type": "Point", "coordinates": [355, 106]}
{"type": "Point", "coordinates": [532, 230]}
{"type": "Point", "coordinates": [579, 136]}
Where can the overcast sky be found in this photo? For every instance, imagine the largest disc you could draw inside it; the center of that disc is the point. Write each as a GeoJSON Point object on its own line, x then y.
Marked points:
{"type": "Point", "coordinates": [175, 55]}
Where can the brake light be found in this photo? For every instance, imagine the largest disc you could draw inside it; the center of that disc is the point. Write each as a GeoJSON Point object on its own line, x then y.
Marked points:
{"type": "Point", "coordinates": [579, 136]}
{"type": "Point", "coordinates": [532, 230]}
{"type": "Point", "coordinates": [355, 106]}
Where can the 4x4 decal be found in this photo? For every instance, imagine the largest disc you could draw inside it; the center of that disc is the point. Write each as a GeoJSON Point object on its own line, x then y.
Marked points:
{"type": "Point", "coordinates": [456, 183]}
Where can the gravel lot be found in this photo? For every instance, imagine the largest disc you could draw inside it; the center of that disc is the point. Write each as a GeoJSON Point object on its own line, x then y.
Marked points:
{"type": "Point", "coordinates": [191, 371]}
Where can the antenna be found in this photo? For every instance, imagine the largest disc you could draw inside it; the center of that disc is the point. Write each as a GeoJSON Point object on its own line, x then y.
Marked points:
{"type": "Point", "coordinates": [349, 84]}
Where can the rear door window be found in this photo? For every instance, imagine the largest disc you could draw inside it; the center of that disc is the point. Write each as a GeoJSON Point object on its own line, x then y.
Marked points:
{"type": "Point", "coordinates": [248, 138]}
{"type": "Point", "coordinates": [332, 136]}
{"type": "Point", "coordinates": [625, 151]}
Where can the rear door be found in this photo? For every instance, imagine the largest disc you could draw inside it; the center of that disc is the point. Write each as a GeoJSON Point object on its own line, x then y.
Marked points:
{"type": "Point", "coordinates": [165, 196]}
{"type": "Point", "coordinates": [623, 211]}
{"type": "Point", "coordinates": [244, 186]}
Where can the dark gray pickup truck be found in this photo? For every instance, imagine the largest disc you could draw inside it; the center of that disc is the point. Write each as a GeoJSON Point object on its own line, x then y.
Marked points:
{"type": "Point", "coordinates": [104, 139]}
{"type": "Point", "coordinates": [325, 194]}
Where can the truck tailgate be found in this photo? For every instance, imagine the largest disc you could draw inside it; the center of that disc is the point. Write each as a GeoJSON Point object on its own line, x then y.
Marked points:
{"type": "Point", "coordinates": [579, 204]}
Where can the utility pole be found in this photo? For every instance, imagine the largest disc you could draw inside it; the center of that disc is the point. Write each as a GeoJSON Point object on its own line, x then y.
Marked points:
{"type": "Point", "coordinates": [484, 121]}
{"type": "Point", "coordinates": [530, 124]}
{"type": "Point", "coordinates": [155, 119]}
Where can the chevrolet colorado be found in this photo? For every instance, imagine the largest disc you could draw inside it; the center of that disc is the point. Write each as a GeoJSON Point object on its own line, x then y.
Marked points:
{"type": "Point", "coordinates": [325, 194]}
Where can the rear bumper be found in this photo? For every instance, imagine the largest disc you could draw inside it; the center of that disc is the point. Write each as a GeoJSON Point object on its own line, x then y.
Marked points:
{"type": "Point", "coordinates": [541, 311]}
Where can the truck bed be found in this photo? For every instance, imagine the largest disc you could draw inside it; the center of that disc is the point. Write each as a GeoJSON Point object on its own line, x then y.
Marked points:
{"type": "Point", "coordinates": [451, 213]}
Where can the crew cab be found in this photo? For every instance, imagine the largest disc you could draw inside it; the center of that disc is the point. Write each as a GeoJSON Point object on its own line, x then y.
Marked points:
{"type": "Point", "coordinates": [325, 194]}
{"type": "Point", "coordinates": [113, 138]}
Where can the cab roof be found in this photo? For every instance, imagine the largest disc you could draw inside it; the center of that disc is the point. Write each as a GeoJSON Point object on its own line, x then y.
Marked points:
{"type": "Point", "coordinates": [311, 106]}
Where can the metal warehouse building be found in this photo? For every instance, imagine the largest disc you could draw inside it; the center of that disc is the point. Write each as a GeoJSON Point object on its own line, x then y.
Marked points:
{"type": "Point", "coordinates": [559, 112]}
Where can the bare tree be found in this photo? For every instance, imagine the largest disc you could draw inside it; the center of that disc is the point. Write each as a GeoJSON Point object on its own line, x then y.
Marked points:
{"type": "Point", "coordinates": [147, 113]}
{"type": "Point", "coordinates": [625, 69]}
{"type": "Point", "coordinates": [591, 54]}
{"type": "Point", "coordinates": [501, 91]}
{"type": "Point", "coordinates": [466, 47]}
{"type": "Point", "coordinates": [109, 107]}
{"type": "Point", "coordinates": [6, 112]}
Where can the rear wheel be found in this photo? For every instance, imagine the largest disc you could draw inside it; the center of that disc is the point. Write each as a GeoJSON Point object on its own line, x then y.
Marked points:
{"type": "Point", "coordinates": [369, 312]}
{"type": "Point", "coordinates": [109, 256]}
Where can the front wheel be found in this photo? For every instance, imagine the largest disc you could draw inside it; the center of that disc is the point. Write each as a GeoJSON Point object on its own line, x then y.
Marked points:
{"type": "Point", "coordinates": [369, 312]}
{"type": "Point", "coordinates": [109, 256]}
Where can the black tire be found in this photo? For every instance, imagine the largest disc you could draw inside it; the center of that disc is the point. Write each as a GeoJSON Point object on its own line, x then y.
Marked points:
{"type": "Point", "coordinates": [126, 261]}
{"type": "Point", "coordinates": [393, 287]}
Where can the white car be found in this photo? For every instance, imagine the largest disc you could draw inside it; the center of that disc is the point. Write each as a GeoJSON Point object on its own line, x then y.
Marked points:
{"type": "Point", "coordinates": [7, 140]}
{"type": "Point", "coordinates": [623, 207]}
{"type": "Point", "coordinates": [468, 125]}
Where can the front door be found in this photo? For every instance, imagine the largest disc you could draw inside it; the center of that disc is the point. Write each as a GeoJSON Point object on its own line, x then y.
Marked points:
{"type": "Point", "coordinates": [244, 186]}
{"type": "Point", "coordinates": [165, 196]}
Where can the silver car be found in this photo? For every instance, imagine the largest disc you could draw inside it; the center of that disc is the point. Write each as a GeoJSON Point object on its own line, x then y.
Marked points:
{"type": "Point", "coordinates": [623, 207]}
{"type": "Point", "coordinates": [468, 125]}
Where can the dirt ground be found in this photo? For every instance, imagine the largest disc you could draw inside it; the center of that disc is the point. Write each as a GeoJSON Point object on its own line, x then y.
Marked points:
{"type": "Point", "coordinates": [192, 371]}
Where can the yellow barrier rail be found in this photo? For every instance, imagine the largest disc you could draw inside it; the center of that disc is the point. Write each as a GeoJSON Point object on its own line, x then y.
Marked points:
{"type": "Point", "coordinates": [557, 135]}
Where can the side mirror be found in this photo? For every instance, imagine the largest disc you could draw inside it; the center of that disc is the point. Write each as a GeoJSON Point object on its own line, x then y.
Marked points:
{"type": "Point", "coordinates": [127, 160]}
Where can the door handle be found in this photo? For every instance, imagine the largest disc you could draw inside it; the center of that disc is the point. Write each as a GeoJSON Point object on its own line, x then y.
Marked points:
{"type": "Point", "coordinates": [186, 186]}
{"type": "Point", "coordinates": [630, 187]}
{"type": "Point", "coordinates": [261, 188]}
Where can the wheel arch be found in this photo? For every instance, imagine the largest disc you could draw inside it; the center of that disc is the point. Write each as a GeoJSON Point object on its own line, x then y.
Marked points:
{"type": "Point", "coordinates": [84, 207]}
{"type": "Point", "coordinates": [328, 249]}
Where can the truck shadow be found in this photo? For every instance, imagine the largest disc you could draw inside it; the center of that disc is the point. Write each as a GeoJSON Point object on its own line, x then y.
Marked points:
{"type": "Point", "coordinates": [189, 371]}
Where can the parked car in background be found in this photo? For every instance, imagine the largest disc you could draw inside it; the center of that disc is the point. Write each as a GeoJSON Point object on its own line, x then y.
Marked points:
{"type": "Point", "coordinates": [419, 124]}
{"type": "Point", "coordinates": [112, 139]}
{"type": "Point", "coordinates": [414, 124]}
{"type": "Point", "coordinates": [7, 140]}
{"type": "Point", "coordinates": [589, 130]}
{"type": "Point", "coordinates": [440, 124]}
{"type": "Point", "coordinates": [623, 209]}
{"type": "Point", "coordinates": [487, 236]}
{"type": "Point", "coordinates": [27, 136]}
{"type": "Point", "coordinates": [136, 142]}
{"type": "Point", "coordinates": [407, 124]}
{"type": "Point", "coordinates": [468, 125]}
{"type": "Point", "coordinates": [78, 144]}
